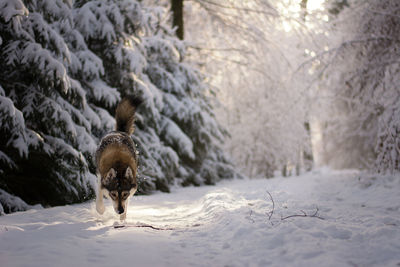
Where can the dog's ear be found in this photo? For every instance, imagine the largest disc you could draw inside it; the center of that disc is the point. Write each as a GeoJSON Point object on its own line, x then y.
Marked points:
{"type": "Point", "coordinates": [111, 174]}
{"type": "Point", "coordinates": [129, 174]}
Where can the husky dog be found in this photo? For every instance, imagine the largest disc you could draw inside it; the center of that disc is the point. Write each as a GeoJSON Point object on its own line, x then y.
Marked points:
{"type": "Point", "coordinates": [116, 160]}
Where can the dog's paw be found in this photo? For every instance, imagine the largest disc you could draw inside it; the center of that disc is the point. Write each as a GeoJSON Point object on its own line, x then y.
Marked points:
{"type": "Point", "coordinates": [100, 208]}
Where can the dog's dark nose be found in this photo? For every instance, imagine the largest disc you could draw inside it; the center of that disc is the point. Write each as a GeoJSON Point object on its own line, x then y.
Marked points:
{"type": "Point", "coordinates": [120, 210]}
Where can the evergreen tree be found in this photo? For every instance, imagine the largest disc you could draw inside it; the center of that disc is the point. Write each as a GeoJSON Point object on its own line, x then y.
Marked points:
{"type": "Point", "coordinates": [45, 118]}
{"type": "Point", "coordinates": [65, 65]}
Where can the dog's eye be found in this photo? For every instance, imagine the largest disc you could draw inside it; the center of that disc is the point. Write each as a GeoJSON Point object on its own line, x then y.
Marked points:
{"type": "Point", "coordinates": [125, 195]}
{"type": "Point", "coordinates": [113, 195]}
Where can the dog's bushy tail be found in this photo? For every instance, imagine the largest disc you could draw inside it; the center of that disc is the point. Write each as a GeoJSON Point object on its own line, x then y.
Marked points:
{"type": "Point", "coordinates": [125, 113]}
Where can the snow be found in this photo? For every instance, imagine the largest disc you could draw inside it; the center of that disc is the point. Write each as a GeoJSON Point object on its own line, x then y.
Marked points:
{"type": "Point", "coordinates": [7, 160]}
{"type": "Point", "coordinates": [175, 137]}
{"type": "Point", "coordinates": [98, 19]}
{"type": "Point", "coordinates": [11, 203]}
{"type": "Point", "coordinates": [12, 8]}
{"type": "Point", "coordinates": [92, 66]}
{"type": "Point", "coordinates": [102, 92]}
{"type": "Point", "coordinates": [231, 224]}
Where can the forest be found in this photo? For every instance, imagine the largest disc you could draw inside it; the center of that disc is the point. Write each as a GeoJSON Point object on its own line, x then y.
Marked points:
{"type": "Point", "coordinates": [231, 89]}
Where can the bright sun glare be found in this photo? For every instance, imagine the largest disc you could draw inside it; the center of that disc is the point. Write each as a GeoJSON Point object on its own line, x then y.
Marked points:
{"type": "Point", "coordinates": [290, 7]}
{"type": "Point", "coordinates": [314, 4]}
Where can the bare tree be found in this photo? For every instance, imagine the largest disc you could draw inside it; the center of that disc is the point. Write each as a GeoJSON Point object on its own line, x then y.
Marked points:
{"type": "Point", "coordinates": [362, 123]}
{"type": "Point", "coordinates": [249, 57]}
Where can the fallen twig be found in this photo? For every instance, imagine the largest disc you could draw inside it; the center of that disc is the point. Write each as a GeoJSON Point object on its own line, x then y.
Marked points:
{"type": "Point", "coordinates": [251, 213]}
{"type": "Point", "coordinates": [314, 215]}
{"type": "Point", "coordinates": [143, 226]}
{"type": "Point", "coordinates": [273, 206]}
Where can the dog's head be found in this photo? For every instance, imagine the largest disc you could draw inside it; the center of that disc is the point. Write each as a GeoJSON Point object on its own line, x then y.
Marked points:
{"type": "Point", "coordinates": [120, 184]}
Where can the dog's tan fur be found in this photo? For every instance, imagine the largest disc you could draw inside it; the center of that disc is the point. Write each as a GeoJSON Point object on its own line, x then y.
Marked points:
{"type": "Point", "coordinates": [113, 154]}
{"type": "Point", "coordinates": [123, 116]}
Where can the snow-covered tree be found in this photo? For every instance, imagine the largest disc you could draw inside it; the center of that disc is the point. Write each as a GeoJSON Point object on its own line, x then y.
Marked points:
{"type": "Point", "coordinates": [251, 50]}
{"type": "Point", "coordinates": [177, 134]}
{"type": "Point", "coordinates": [45, 119]}
{"type": "Point", "coordinates": [360, 82]}
{"type": "Point", "coordinates": [65, 65]}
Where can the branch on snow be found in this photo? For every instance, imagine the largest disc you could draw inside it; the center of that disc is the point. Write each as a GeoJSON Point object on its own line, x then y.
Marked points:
{"type": "Point", "coordinates": [273, 207]}
{"type": "Point", "coordinates": [304, 214]}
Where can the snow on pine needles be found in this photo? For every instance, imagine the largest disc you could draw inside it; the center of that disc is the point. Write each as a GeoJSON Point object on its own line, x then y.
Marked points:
{"type": "Point", "coordinates": [352, 219]}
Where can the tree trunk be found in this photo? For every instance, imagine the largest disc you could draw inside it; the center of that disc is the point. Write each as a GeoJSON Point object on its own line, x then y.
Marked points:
{"type": "Point", "coordinates": [177, 21]}
{"type": "Point", "coordinates": [303, 6]}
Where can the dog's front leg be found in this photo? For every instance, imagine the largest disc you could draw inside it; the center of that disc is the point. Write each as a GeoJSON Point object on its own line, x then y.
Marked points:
{"type": "Point", "coordinates": [99, 201]}
{"type": "Point", "coordinates": [122, 217]}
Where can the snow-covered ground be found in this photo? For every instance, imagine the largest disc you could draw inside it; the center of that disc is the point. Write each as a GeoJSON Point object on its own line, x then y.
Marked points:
{"type": "Point", "coordinates": [231, 224]}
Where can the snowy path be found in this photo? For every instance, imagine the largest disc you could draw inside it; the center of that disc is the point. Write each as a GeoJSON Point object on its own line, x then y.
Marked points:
{"type": "Point", "coordinates": [224, 225]}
